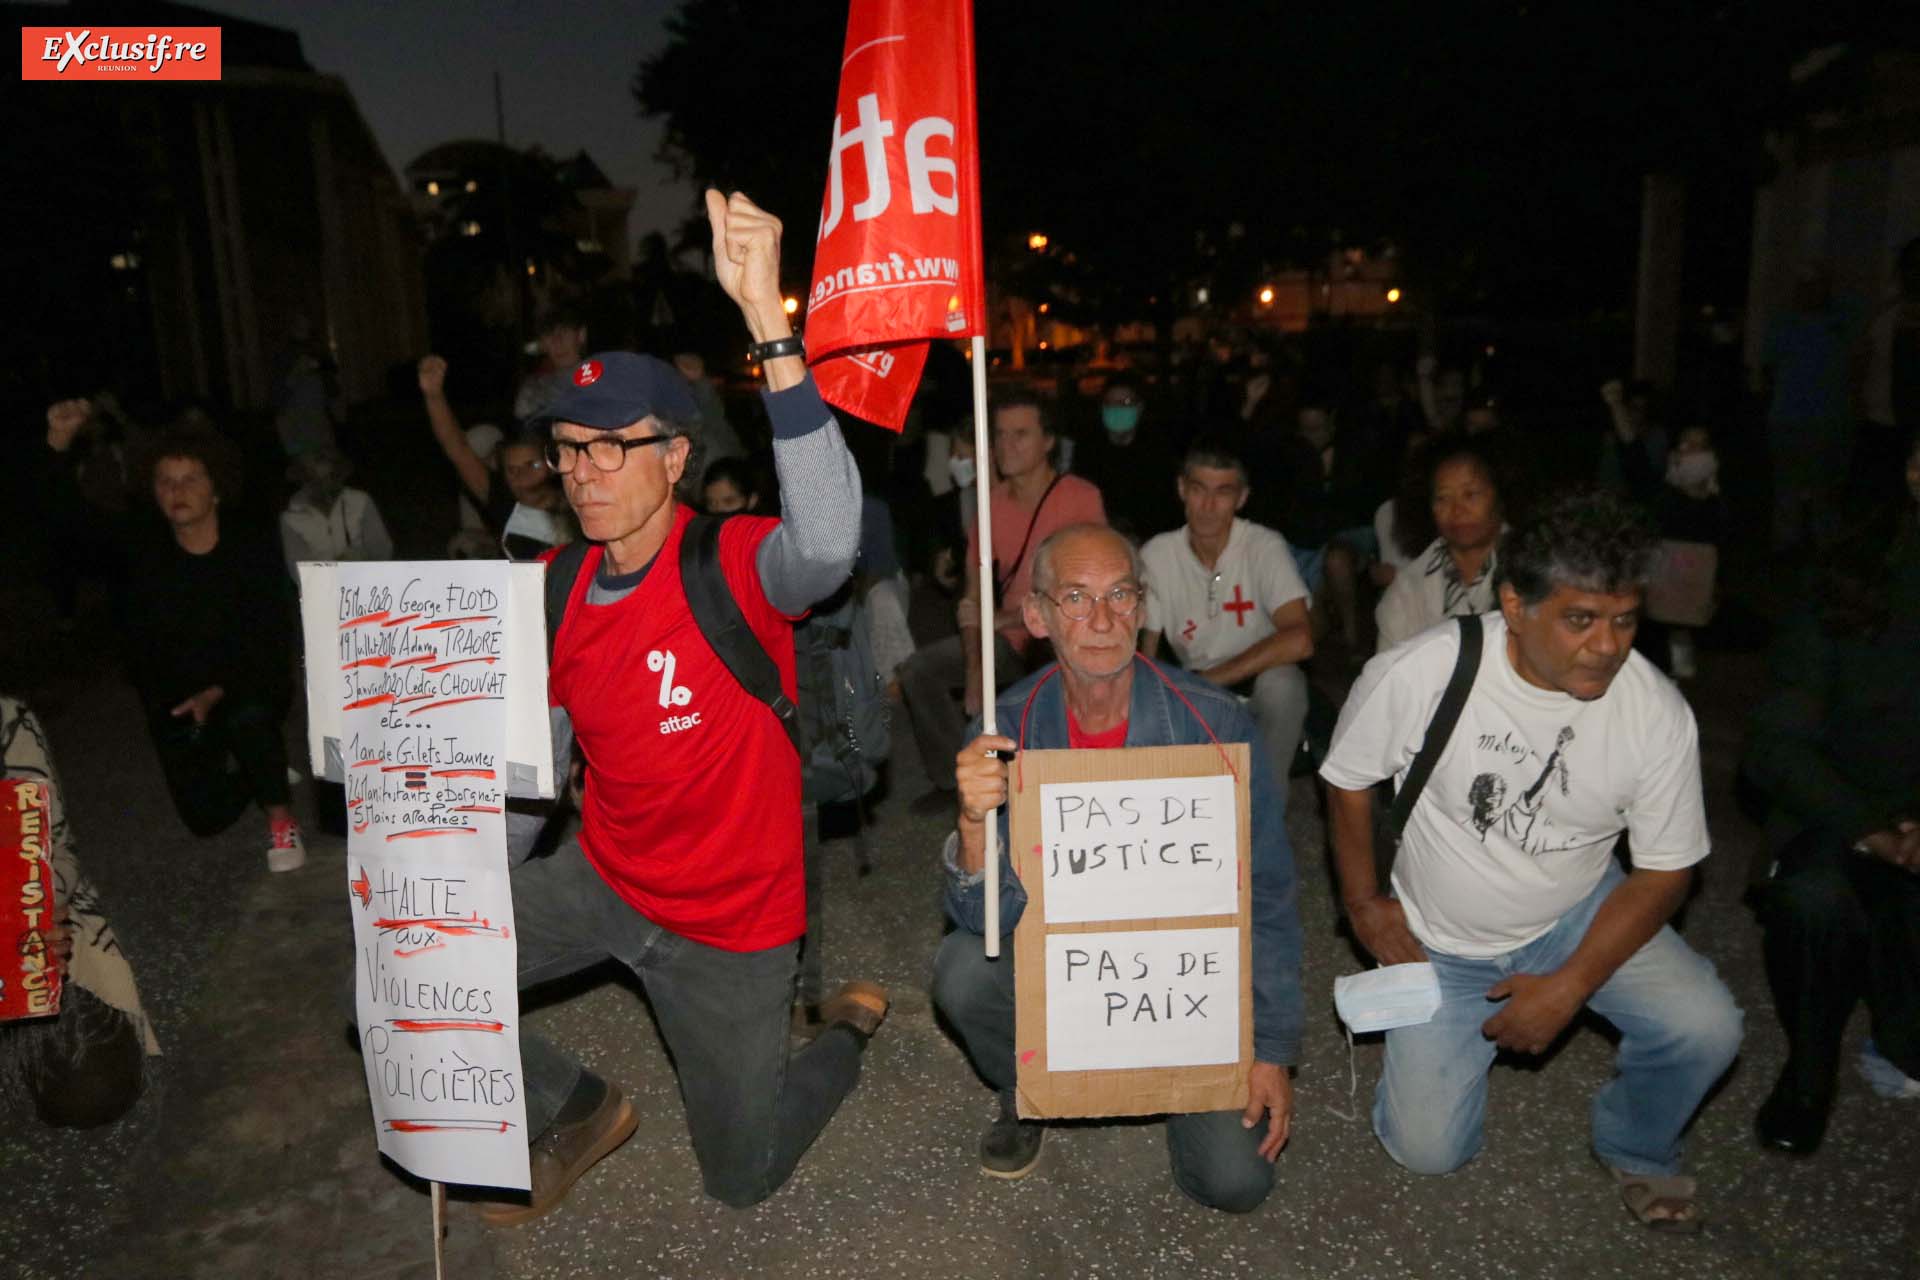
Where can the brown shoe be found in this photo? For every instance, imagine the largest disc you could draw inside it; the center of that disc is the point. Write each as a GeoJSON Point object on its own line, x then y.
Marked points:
{"type": "Point", "coordinates": [859, 1006]}
{"type": "Point", "coordinates": [562, 1154]}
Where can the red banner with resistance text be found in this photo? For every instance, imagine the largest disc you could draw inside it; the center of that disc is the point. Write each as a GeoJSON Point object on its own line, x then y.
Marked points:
{"type": "Point", "coordinates": [29, 976]}
{"type": "Point", "coordinates": [898, 259]}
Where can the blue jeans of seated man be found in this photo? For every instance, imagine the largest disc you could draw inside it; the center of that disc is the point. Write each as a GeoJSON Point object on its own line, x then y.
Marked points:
{"type": "Point", "coordinates": [752, 1108]}
{"type": "Point", "coordinates": [1215, 1160]}
{"type": "Point", "coordinates": [1679, 1031]}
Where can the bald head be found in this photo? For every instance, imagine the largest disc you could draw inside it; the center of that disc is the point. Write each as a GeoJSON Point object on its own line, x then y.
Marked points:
{"type": "Point", "coordinates": [1075, 541]}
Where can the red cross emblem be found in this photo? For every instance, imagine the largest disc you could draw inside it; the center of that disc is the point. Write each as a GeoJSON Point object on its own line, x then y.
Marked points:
{"type": "Point", "coordinates": [587, 374]}
{"type": "Point", "coordinates": [1239, 607]}
{"type": "Point", "coordinates": [1186, 632]}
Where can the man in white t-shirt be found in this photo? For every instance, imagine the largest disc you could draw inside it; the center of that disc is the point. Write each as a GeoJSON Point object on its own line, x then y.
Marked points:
{"type": "Point", "coordinates": [1505, 878]}
{"type": "Point", "coordinates": [1225, 594]}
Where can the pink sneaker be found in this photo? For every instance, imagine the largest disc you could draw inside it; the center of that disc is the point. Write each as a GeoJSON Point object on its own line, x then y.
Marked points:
{"type": "Point", "coordinates": [286, 851]}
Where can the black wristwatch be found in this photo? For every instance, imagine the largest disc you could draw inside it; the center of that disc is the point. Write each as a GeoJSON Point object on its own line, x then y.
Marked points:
{"type": "Point", "coordinates": [761, 352]}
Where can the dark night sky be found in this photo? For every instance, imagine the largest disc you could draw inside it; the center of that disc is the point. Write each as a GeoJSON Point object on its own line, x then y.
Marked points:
{"type": "Point", "coordinates": [424, 75]}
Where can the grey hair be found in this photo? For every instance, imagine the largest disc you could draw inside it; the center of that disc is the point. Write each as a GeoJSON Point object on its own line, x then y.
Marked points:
{"type": "Point", "coordinates": [1588, 540]}
{"type": "Point", "coordinates": [1043, 575]}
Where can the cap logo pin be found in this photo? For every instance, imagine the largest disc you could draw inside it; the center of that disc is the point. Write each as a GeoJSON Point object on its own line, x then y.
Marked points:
{"type": "Point", "coordinates": [587, 374]}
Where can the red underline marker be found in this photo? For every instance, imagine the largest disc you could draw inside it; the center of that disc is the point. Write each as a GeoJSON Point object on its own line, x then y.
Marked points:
{"type": "Point", "coordinates": [368, 702]}
{"type": "Point", "coordinates": [428, 832]}
{"type": "Point", "coordinates": [405, 617]}
{"type": "Point", "coordinates": [365, 662]}
{"type": "Point", "coordinates": [445, 1024]}
{"type": "Point", "coordinates": [418, 951]}
{"type": "Point", "coordinates": [476, 808]}
{"type": "Point", "coordinates": [417, 659]}
{"type": "Point", "coordinates": [461, 662]}
{"type": "Point", "coordinates": [463, 773]}
{"type": "Point", "coordinates": [365, 617]}
{"type": "Point", "coordinates": [454, 622]}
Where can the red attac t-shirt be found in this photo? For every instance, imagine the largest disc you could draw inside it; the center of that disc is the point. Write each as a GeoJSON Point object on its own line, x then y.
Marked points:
{"type": "Point", "coordinates": [692, 809]}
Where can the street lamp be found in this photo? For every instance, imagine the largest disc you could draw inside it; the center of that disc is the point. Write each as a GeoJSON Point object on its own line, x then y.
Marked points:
{"type": "Point", "coordinates": [1037, 241]}
{"type": "Point", "coordinates": [790, 304]}
{"type": "Point", "coordinates": [1266, 295]}
{"type": "Point", "coordinates": [1393, 296]}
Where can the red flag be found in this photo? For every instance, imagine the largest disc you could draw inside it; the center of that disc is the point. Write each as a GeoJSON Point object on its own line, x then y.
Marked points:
{"type": "Point", "coordinates": [898, 260]}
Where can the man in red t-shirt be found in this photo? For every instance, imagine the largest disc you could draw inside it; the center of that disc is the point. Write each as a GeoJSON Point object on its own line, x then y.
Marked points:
{"type": "Point", "coordinates": [687, 864]}
{"type": "Point", "coordinates": [1029, 501]}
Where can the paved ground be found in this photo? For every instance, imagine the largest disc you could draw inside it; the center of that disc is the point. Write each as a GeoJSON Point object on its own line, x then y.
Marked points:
{"type": "Point", "coordinates": [252, 1153]}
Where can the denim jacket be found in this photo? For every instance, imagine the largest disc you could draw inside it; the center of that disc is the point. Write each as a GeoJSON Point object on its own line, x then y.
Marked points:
{"type": "Point", "coordinates": [1158, 718]}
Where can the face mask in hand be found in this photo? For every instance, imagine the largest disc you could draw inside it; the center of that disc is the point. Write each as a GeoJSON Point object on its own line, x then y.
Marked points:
{"type": "Point", "coordinates": [961, 469]}
{"type": "Point", "coordinates": [1399, 995]}
{"type": "Point", "coordinates": [1119, 419]}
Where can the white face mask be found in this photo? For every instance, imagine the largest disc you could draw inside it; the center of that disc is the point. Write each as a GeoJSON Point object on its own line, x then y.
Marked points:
{"type": "Point", "coordinates": [1399, 995]}
{"type": "Point", "coordinates": [1692, 471]}
{"type": "Point", "coordinates": [961, 469]}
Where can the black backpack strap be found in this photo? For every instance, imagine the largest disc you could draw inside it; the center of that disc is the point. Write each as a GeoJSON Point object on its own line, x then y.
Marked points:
{"type": "Point", "coordinates": [562, 572]}
{"type": "Point", "coordinates": [1440, 728]}
{"type": "Point", "coordinates": [718, 616]}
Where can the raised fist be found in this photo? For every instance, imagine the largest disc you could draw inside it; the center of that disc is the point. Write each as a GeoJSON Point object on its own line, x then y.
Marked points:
{"type": "Point", "coordinates": [746, 255]}
{"type": "Point", "coordinates": [64, 420]}
{"type": "Point", "coordinates": [1613, 392]}
{"type": "Point", "coordinates": [433, 375]}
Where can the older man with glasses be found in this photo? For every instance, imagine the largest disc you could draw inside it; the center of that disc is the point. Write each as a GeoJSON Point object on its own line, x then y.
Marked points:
{"type": "Point", "coordinates": [674, 870]}
{"type": "Point", "coordinates": [1101, 692]}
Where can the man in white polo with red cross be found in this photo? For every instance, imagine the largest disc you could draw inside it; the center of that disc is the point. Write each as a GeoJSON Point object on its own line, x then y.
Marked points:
{"type": "Point", "coordinates": [687, 865]}
{"type": "Point", "coordinates": [1223, 592]}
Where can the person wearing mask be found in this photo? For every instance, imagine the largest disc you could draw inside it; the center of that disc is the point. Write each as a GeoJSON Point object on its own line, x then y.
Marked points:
{"type": "Point", "coordinates": [1454, 485]}
{"type": "Point", "coordinates": [207, 621]}
{"type": "Point", "coordinates": [1029, 501]}
{"type": "Point", "coordinates": [1123, 458]}
{"type": "Point", "coordinates": [521, 505]}
{"type": "Point", "coordinates": [327, 520]}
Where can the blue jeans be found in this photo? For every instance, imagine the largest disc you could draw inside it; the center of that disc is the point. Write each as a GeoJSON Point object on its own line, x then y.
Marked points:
{"type": "Point", "coordinates": [752, 1107]}
{"type": "Point", "coordinates": [1215, 1161]}
{"type": "Point", "coordinates": [1679, 1031]}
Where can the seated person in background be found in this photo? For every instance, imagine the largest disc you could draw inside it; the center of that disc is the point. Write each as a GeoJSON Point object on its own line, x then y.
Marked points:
{"type": "Point", "coordinates": [1834, 749]}
{"type": "Point", "coordinates": [523, 508]}
{"type": "Point", "coordinates": [1126, 458]}
{"type": "Point", "coordinates": [1452, 484]}
{"type": "Point", "coordinates": [325, 520]}
{"type": "Point", "coordinates": [208, 627]}
{"type": "Point", "coordinates": [1225, 595]}
{"type": "Point", "coordinates": [83, 1067]}
{"type": "Point", "coordinates": [1505, 880]}
{"type": "Point", "coordinates": [562, 332]}
{"type": "Point", "coordinates": [1028, 502]}
{"type": "Point", "coordinates": [1085, 597]}
{"type": "Point", "coordinates": [1313, 490]}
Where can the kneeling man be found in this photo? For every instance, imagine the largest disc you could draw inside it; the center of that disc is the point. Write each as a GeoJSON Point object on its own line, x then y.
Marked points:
{"type": "Point", "coordinates": [1086, 598]}
{"type": "Point", "coordinates": [1506, 879]}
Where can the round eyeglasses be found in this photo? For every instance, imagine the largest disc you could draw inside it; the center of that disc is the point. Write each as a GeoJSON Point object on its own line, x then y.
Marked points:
{"type": "Point", "coordinates": [1078, 604]}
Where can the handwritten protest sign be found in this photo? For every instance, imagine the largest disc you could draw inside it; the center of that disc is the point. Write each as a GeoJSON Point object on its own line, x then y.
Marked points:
{"type": "Point", "coordinates": [29, 982]}
{"type": "Point", "coordinates": [1133, 958]}
{"type": "Point", "coordinates": [420, 668]}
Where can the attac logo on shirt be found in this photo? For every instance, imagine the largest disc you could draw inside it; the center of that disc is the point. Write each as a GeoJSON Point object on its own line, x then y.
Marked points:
{"type": "Point", "coordinates": [671, 694]}
{"type": "Point", "coordinates": [588, 373]}
{"type": "Point", "coordinates": [120, 53]}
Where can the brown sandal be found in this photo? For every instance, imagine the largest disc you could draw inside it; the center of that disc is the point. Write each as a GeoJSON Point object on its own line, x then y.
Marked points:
{"type": "Point", "coordinates": [859, 1006]}
{"type": "Point", "coordinates": [1660, 1202]}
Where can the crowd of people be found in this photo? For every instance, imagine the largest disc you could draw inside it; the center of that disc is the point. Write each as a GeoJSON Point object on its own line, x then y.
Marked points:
{"type": "Point", "coordinates": [1169, 557]}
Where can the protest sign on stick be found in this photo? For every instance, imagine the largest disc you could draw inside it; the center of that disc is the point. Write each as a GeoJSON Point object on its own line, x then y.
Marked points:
{"type": "Point", "coordinates": [420, 661]}
{"type": "Point", "coordinates": [1133, 958]}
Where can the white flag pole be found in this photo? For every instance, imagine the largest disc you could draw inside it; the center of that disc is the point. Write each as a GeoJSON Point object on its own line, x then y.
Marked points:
{"type": "Point", "coordinates": [983, 523]}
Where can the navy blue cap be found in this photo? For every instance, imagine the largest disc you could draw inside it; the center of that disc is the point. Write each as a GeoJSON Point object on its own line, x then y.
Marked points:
{"type": "Point", "coordinates": [616, 389]}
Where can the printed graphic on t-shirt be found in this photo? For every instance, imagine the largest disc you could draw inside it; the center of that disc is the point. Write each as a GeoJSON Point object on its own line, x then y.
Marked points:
{"type": "Point", "coordinates": [671, 694]}
{"type": "Point", "coordinates": [1522, 818]}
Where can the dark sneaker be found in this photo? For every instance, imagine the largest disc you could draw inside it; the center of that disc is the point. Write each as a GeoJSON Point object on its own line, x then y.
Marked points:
{"type": "Point", "coordinates": [562, 1154]}
{"type": "Point", "coordinates": [1011, 1146]}
{"type": "Point", "coordinates": [1791, 1122]}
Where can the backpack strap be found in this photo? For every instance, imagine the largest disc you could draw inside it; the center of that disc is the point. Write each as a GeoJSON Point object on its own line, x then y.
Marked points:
{"type": "Point", "coordinates": [1440, 728]}
{"type": "Point", "coordinates": [718, 616]}
{"type": "Point", "coordinates": [562, 572]}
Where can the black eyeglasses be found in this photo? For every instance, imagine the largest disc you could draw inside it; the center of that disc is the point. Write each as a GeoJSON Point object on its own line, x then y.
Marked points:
{"type": "Point", "coordinates": [1078, 604]}
{"type": "Point", "coordinates": [606, 453]}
